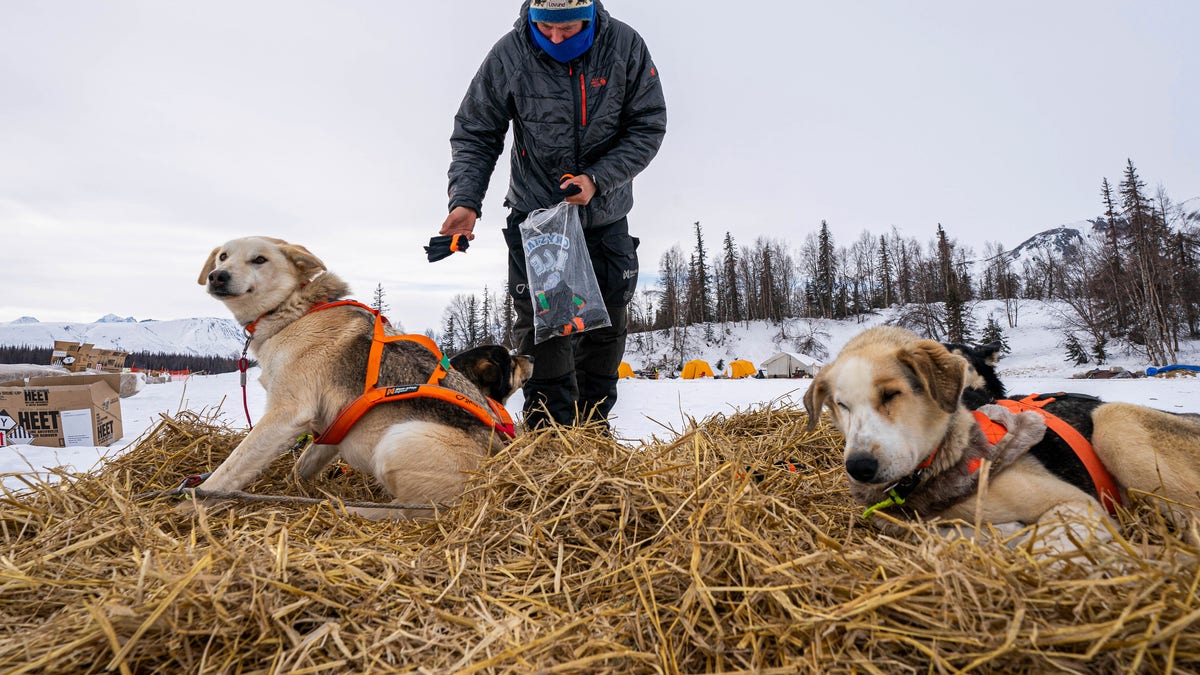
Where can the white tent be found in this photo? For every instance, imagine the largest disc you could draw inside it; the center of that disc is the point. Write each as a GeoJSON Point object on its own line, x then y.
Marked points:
{"type": "Point", "coordinates": [790, 364]}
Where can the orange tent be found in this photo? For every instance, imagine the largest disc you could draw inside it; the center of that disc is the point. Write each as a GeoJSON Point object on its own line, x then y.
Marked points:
{"type": "Point", "coordinates": [696, 368]}
{"type": "Point", "coordinates": [740, 368]}
{"type": "Point", "coordinates": [625, 370]}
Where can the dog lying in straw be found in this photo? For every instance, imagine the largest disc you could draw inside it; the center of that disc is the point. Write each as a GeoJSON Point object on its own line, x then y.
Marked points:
{"type": "Point", "coordinates": [320, 359]}
{"type": "Point", "coordinates": [915, 449]}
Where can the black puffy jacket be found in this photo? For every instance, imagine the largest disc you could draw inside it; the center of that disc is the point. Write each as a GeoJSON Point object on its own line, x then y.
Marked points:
{"type": "Point", "coordinates": [603, 114]}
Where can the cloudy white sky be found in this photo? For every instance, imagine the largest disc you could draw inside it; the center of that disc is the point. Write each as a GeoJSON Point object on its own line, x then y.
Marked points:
{"type": "Point", "coordinates": [136, 135]}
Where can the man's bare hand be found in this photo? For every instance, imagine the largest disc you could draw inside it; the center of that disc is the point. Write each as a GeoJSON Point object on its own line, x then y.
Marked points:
{"type": "Point", "coordinates": [460, 221]}
{"type": "Point", "coordinates": [587, 189]}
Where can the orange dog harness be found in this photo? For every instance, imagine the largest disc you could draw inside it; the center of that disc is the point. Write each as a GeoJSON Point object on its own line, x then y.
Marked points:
{"type": "Point", "coordinates": [1106, 487]}
{"type": "Point", "coordinates": [494, 416]}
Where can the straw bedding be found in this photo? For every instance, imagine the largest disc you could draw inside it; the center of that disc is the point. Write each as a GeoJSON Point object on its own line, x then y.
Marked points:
{"type": "Point", "coordinates": [569, 553]}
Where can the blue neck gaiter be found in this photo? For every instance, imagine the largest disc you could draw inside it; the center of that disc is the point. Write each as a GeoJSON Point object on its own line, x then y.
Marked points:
{"type": "Point", "coordinates": [568, 50]}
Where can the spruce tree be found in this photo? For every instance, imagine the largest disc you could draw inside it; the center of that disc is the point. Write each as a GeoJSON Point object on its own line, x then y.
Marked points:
{"type": "Point", "coordinates": [885, 274]}
{"type": "Point", "coordinates": [487, 319]}
{"type": "Point", "coordinates": [450, 338]}
{"type": "Point", "coordinates": [1076, 353]}
{"type": "Point", "coordinates": [956, 323]}
{"type": "Point", "coordinates": [377, 302]}
{"type": "Point", "coordinates": [1110, 289]}
{"type": "Point", "coordinates": [766, 282]}
{"type": "Point", "coordinates": [824, 281]}
{"type": "Point", "coordinates": [1100, 350]}
{"type": "Point", "coordinates": [728, 291]}
{"type": "Point", "coordinates": [992, 332]}
{"type": "Point", "coordinates": [703, 279]}
{"type": "Point", "coordinates": [1147, 243]}
{"type": "Point", "coordinates": [509, 322]}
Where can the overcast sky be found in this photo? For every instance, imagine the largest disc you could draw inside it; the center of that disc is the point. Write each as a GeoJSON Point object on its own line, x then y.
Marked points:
{"type": "Point", "coordinates": [137, 135]}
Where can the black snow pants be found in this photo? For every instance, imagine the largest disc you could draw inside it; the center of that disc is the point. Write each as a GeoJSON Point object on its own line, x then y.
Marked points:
{"type": "Point", "coordinates": [575, 377]}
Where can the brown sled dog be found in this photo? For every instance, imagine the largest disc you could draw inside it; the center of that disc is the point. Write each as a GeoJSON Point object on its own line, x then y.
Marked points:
{"type": "Point", "coordinates": [315, 362]}
{"type": "Point", "coordinates": [898, 400]}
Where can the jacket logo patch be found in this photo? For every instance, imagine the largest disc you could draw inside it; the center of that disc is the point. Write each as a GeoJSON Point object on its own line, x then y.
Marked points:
{"type": "Point", "coordinates": [598, 82]}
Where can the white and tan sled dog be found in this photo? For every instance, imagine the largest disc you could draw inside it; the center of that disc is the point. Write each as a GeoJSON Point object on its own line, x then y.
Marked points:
{"type": "Point", "coordinates": [314, 351]}
{"type": "Point", "coordinates": [915, 450]}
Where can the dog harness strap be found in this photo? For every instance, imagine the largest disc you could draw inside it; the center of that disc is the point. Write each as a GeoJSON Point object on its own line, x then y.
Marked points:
{"type": "Point", "coordinates": [495, 416]}
{"type": "Point", "coordinates": [502, 420]}
{"type": "Point", "coordinates": [443, 365]}
{"type": "Point", "coordinates": [359, 406]}
{"type": "Point", "coordinates": [380, 339]}
{"type": "Point", "coordinates": [343, 303]}
{"type": "Point", "coordinates": [375, 359]}
{"type": "Point", "coordinates": [1106, 487]}
{"type": "Point", "coordinates": [992, 430]}
{"type": "Point", "coordinates": [376, 355]}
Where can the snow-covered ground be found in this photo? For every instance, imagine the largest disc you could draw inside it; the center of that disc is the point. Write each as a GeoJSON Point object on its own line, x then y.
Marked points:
{"type": "Point", "coordinates": [663, 407]}
{"type": "Point", "coordinates": [646, 407]}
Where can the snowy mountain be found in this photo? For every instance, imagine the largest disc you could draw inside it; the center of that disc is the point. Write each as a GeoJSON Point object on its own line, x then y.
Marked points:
{"type": "Point", "coordinates": [1191, 211]}
{"type": "Point", "coordinates": [199, 337]}
{"type": "Point", "coordinates": [1065, 242]}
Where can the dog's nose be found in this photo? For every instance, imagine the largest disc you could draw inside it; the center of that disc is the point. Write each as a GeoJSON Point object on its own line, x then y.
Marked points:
{"type": "Point", "coordinates": [862, 468]}
{"type": "Point", "coordinates": [218, 277]}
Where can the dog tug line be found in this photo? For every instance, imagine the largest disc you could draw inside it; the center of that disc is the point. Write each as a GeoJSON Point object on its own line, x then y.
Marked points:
{"type": "Point", "coordinates": [993, 431]}
{"type": "Point", "coordinates": [494, 416]}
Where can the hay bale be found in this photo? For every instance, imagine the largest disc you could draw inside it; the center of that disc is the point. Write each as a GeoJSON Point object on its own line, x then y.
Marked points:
{"type": "Point", "coordinates": [568, 553]}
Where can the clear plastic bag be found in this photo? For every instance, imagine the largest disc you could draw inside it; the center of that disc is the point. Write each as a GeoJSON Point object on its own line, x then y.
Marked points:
{"type": "Point", "coordinates": [562, 284]}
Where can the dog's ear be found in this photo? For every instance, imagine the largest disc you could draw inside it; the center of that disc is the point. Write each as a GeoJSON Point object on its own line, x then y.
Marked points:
{"type": "Point", "coordinates": [302, 258]}
{"type": "Point", "coordinates": [815, 397]}
{"type": "Point", "coordinates": [991, 353]}
{"type": "Point", "coordinates": [941, 373]}
{"type": "Point", "coordinates": [209, 266]}
{"type": "Point", "coordinates": [483, 371]}
{"type": "Point", "coordinates": [486, 372]}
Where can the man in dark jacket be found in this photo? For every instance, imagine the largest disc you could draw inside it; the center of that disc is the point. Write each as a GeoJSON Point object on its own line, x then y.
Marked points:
{"type": "Point", "coordinates": [588, 115]}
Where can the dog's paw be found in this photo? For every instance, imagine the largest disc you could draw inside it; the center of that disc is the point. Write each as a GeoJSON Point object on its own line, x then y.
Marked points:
{"type": "Point", "coordinates": [1065, 537]}
{"type": "Point", "coordinates": [313, 459]}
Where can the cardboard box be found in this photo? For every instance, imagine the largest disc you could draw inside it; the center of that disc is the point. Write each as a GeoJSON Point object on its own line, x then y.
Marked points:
{"type": "Point", "coordinates": [78, 357]}
{"type": "Point", "coordinates": [61, 411]}
{"type": "Point", "coordinates": [73, 356]}
{"type": "Point", "coordinates": [108, 360]}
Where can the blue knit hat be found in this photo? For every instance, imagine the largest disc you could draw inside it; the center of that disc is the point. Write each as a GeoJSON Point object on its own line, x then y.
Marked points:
{"type": "Point", "coordinates": [561, 11]}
